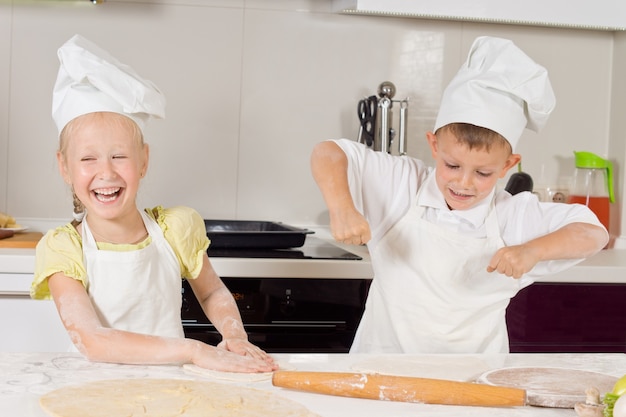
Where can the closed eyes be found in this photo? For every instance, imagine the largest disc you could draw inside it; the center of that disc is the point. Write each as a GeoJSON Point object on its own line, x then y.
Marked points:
{"type": "Point", "coordinates": [480, 173]}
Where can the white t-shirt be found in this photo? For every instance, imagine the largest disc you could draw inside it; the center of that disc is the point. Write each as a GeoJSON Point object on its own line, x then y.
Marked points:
{"type": "Point", "coordinates": [384, 186]}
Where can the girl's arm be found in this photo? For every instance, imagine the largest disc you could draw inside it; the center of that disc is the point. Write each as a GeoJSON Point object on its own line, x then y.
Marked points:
{"type": "Point", "coordinates": [221, 309]}
{"type": "Point", "coordinates": [102, 344]}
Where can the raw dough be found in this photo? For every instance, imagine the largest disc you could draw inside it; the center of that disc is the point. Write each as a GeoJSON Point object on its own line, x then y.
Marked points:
{"type": "Point", "coordinates": [437, 367]}
{"type": "Point", "coordinates": [167, 398]}
{"type": "Point", "coordinates": [550, 387]}
{"type": "Point", "coordinates": [227, 376]}
{"type": "Point", "coordinates": [233, 376]}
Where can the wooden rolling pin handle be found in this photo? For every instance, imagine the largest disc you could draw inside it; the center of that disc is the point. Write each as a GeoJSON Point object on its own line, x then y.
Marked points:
{"type": "Point", "coordinates": [399, 388]}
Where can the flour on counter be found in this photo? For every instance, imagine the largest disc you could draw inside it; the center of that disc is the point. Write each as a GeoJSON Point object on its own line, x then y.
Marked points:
{"type": "Point", "coordinates": [436, 366]}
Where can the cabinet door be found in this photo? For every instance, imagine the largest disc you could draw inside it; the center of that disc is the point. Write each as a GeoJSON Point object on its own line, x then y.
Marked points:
{"type": "Point", "coordinates": [28, 325]}
{"type": "Point", "coordinates": [554, 317]}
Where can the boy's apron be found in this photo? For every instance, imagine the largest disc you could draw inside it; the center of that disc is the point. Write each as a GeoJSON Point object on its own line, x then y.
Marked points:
{"type": "Point", "coordinates": [432, 293]}
{"type": "Point", "coordinates": [138, 290]}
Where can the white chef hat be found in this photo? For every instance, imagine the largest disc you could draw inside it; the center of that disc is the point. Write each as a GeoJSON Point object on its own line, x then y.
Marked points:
{"type": "Point", "coordinates": [500, 88]}
{"type": "Point", "coordinates": [92, 80]}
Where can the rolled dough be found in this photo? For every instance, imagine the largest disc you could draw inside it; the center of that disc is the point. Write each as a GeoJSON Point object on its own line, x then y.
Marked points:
{"type": "Point", "coordinates": [167, 398]}
{"type": "Point", "coordinates": [233, 376]}
{"type": "Point", "coordinates": [227, 376]}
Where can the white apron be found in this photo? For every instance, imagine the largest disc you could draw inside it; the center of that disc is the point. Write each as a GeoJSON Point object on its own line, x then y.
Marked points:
{"type": "Point", "coordinates": [431, 292]}
{"type": "Point", "coordinates": [139, 290]}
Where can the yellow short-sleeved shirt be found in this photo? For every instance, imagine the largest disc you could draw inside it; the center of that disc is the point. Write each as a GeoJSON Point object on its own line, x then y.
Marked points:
{"type": "Point", "coordinates": [61, 249]}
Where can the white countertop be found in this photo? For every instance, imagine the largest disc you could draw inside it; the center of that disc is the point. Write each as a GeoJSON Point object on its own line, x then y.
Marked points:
{"type": "Point", "coordinates": [608, 266]}
{"type": "Point", "coordinates": [24, 377]}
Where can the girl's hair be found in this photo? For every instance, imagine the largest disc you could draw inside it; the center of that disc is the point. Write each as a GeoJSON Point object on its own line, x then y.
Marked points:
{"type": "Point", "coordinates": [475, 137]}
{"type": "Point", "coordinates": [75, 124]}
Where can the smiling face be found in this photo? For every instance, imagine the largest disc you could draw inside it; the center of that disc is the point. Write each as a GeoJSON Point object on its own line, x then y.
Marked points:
{"type": "Point", "coordinates": [466, 174]}
{"type": "Point", "coordinates": [103, 158]}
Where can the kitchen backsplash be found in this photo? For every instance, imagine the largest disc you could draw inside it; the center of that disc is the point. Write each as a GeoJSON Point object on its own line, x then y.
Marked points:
{"type": "Point", "coordinates": [252, 85]}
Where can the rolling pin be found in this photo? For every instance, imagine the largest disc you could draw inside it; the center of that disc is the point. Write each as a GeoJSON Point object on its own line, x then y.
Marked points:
{"type": "Point", "coordinates": [400, 388]}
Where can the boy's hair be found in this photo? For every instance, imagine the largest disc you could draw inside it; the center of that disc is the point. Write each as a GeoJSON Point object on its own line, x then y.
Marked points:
{"type": "Point", "coordinates": [475, 137]}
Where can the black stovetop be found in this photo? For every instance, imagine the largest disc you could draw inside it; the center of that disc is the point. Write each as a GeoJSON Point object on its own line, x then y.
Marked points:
{"type": "Point", "coordinates": [313, 248]}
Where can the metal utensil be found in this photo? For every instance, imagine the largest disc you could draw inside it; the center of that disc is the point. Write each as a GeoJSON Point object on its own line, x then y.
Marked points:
{"type": "Point", "coordinates": [366, 112]}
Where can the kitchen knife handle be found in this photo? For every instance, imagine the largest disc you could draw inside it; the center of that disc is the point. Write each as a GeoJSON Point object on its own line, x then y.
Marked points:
{"type": "Point", "coordinates": [6, 233]}
{"type": "Point", "coordinates": [400, 388]}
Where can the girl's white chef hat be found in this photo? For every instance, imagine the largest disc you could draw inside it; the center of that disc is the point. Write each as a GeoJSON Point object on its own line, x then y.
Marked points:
{"type": "Point", "coordinates": [92, 80]}
{"type": "Point", "coordinates": [500, 88]}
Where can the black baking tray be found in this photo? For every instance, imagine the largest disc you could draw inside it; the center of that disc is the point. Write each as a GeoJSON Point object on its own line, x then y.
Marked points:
{"type": "Point", "coordinates": [244, 234]}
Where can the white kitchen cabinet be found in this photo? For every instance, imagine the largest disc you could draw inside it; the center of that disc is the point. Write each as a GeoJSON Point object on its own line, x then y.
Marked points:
{"type": "Point", "coordinates": [581, 14]}
{"type": "Point", "coordinates": [28, 325]}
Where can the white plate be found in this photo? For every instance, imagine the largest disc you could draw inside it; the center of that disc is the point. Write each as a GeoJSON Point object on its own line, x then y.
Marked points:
{"type": "Point", "coordinates": [15, 229]}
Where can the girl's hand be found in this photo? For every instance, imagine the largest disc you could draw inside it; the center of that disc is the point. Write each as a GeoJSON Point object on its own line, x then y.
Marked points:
{"type": "Point", "coordinates": [245, 348]}
{"type": "Point", "coordinates": [219, 359]}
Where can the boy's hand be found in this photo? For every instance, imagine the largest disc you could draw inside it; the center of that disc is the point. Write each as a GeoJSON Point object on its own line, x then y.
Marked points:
{"type": "Point", "coordinates": [350, 227]}
{"type": "Point", "coordinates": [513, 261]}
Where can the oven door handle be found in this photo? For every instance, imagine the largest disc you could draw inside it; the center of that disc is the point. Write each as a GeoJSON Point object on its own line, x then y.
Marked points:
{"type": "Point", "coordinates": [275, 324]}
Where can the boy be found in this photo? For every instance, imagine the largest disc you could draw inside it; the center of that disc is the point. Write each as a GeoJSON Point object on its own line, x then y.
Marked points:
{"type": "Point", "coordinates": [448, 250]}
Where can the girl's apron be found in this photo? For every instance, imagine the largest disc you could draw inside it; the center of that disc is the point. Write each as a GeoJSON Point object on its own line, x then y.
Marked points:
{"type": "Point", "coordinates": [139, 290]}
{"type": "Point", "coordinates": [432, 292]}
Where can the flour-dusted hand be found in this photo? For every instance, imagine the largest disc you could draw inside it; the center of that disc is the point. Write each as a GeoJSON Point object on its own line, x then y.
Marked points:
{"type": "Point", "coordinates": [245, 348]}
{"type": "Point", "coordinates": [350, 227]}
{"type": "Point", "coordinates": [219, 359]}
{"type": "Point", "coordinates": [513, 261]}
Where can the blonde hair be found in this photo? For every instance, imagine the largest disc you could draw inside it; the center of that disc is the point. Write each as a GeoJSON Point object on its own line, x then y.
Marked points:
{"type": "Point", "coordinates": [75, 124]}
{"type": "Point", "coordinates": [475, 137]}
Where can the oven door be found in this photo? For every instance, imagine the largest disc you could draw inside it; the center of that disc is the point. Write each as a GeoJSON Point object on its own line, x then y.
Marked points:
{"type": "Point", "coordinates": [287, 315]}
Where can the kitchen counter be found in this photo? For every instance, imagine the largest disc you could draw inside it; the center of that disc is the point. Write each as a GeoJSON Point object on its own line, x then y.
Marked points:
{"type": "Point", "coordinates": [24, 377]}
{"type": "Point", "coordinates": [608, 266]}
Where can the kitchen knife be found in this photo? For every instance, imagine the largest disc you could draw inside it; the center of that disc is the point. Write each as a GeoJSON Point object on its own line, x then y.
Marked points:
{"type": "Point", "coordinates": [5, 233]}
{"type": "Point", "coordinates": [400, 388]}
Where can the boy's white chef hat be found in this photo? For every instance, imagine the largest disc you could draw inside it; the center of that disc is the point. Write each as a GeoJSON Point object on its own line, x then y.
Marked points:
{"type": "Point", "coordinates": [91, 80]}
{"type": "Point", "coordinates": [500, 88]}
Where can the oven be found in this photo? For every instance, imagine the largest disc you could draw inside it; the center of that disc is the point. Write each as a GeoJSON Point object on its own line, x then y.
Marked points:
{"type": "Point", "coordinates": [283, 314]}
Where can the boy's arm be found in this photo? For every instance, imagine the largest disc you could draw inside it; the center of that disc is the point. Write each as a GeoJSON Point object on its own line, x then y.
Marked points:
{"type": "Point", "coordinates": [572, 241]}
{"type": "Point", "coordinates": [329, 167]}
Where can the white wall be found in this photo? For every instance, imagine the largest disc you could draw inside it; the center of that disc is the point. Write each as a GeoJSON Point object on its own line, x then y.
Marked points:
{"type": "Point", "coordinates": [617, 141]}
{"type": "Point", "coordinates": [252, 85]}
